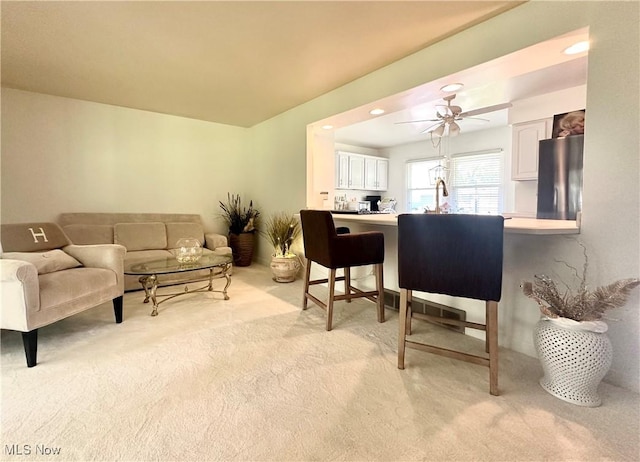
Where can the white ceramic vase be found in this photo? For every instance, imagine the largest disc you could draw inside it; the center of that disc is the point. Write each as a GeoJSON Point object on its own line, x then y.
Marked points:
{"type": "Point", "coordinates": [284, 269]}
{"type": "Point", "coordinates": [575, 356]}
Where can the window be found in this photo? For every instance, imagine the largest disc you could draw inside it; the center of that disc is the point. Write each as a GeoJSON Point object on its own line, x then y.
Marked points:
{"type": "Point", "coordinates": [475, 183]}
{"type": "Point", "coordinates": [421, 191]}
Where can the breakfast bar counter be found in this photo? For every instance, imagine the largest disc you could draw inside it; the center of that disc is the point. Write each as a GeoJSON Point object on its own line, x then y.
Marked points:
{"type": "Point", "coordinates": [512, 225]}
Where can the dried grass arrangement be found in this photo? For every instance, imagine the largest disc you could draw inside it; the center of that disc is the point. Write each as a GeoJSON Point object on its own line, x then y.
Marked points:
{"type": "Point", "coordinates": [282, 230]}
{"type": "Point", "coordinates": [584, 304]}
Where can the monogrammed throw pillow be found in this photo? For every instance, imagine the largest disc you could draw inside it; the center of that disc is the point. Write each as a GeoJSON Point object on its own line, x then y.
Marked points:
{"type": "Point", "coordinates": [32, 237]}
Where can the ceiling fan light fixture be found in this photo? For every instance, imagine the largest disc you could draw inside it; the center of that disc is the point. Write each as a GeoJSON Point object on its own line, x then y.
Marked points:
{"type": "Point", "coordinates": [452, 87]}
{"type": "Point", "coordinates": [454, 129]}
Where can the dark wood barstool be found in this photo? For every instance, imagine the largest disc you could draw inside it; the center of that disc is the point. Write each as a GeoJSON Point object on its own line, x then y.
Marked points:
{"type": "Point", "coordinates": [325, 246]}
{"type": "Point", "coordinates": [457, 255]}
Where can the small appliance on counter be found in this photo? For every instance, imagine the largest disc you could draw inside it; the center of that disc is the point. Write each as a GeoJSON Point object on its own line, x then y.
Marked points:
{"type": "Point", "coordinates": [373, 200]}
{"type": "Point", "coordinates": [364, 206]}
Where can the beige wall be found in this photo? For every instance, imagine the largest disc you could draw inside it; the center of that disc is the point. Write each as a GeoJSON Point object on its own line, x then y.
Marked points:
{"type": "Point", "coordinates": [61, 155]}
{"type": "Point", "coordinates": [64, 155]}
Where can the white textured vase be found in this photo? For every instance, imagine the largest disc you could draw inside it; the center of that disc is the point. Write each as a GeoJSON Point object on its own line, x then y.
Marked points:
{"type": "Point", "coordinates": [575, 356]}
{"type": "Point", "coordinates": [284, 269]}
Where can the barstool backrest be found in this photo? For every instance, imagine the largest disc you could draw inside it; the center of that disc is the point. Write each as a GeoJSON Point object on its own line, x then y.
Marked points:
{"type": "Point", "coordinates": [457, 255]}
{"type": "Point", "coordinates": [318, 230]}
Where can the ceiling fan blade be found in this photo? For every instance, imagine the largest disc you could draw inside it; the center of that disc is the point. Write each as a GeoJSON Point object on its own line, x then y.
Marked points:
{"type": "Point", "coordinates": [431, 128]}
{"type": "Point", "coordinates": [417, 121]}
{"type": "Point", "coordinates": [479, 119]}
{"type": "Point", "coordinates": [485, 110]}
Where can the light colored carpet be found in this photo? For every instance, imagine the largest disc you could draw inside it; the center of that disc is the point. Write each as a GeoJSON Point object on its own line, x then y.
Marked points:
{"type": "Point", "coordinates": [256, 378]}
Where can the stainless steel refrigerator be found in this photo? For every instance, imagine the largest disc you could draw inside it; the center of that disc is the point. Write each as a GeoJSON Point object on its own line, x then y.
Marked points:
{"type": "Point", "coordinates": [560, 177]}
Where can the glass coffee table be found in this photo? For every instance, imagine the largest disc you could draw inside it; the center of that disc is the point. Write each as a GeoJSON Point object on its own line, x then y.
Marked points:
{"type": "Point", "coordinates": [151, 269]}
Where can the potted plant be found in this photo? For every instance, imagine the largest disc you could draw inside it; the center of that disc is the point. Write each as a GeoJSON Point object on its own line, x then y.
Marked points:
{"type": "Point", "coordinates": [282, 230]}
{"type": "Point", "coordinates": [570, 338]}
{"type": "Point", "coordinates": [242, 223]}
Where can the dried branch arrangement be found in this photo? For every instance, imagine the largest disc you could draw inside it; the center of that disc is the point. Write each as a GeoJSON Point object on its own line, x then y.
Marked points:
{"type": "Point", "coordinates": [584, 304]}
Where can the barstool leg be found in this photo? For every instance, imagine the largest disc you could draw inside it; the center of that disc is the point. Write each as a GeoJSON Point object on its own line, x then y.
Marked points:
{"type": "Point", "coordinates": [402, 325]}
{"type": "Point", "coordinates": [492, 336]}
{"type": "Point", "coordinates": [409, 311]}
{"type": "Point", "coordinates": [332, 289]}
{"type": "Point", "coordinates": [380, 290]}
{"type": "Point", "coordinates": [347, 283]}
{"type": "Point", "coordinates": [307, 274]}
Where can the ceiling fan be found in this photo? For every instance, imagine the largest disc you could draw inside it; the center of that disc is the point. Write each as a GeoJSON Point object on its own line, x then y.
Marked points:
{"type": "Point", "coordinates": [448, 116]}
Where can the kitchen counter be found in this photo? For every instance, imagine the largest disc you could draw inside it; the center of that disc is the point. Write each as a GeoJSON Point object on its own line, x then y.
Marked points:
{"type": "Point", "coordinates": [513, 225]}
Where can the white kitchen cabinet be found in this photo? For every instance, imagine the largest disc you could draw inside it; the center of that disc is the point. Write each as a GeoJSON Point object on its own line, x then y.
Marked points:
{"type": "Point", "coordinates": [359, 171]}
{"type": "Point", "coordinates": [356, 172]}
{"type": "Point", "coordinates": [376, 172]}
{"type": "Point", "coordinates": [349, 170]}
{"type": "Point", "coordinates": [524, 153]}
{"type": "Point", "coordinates": [342, 170]}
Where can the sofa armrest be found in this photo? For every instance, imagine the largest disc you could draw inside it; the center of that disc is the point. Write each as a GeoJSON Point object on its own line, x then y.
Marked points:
{"type": "Point", "coordinates": [108, 256]}
{"type": "Point", "coordinates": [19, 292]}
{"type": "Point", "coordinates": [213, 241]}
{"type": "Point", "coordinates": [223, 251]}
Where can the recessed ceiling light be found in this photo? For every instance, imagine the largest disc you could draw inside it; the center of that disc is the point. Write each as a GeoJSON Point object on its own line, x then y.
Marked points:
{"type": "Point", "coordinates": [452, 87]}
{"type": "Point", "coordinates": [376, 111]}
{"type": "Point", "coordinates": [327, 127]}
{"type": "Point", "coordinates": [577, 48]}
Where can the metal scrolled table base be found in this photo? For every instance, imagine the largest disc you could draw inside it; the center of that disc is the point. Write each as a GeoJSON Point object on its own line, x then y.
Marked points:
{"type": "Point", "coordinates": [150, 286]}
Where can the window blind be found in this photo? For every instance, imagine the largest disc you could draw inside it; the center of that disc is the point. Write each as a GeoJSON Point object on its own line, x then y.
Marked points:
{"type": "Point", "coordinates": [476, 182]}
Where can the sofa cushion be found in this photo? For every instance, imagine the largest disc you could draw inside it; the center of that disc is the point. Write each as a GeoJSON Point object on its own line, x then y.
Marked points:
{"type": "Point", "coordinates": [176, 231]}
{"type": "Point", "coordinates": [89, 234]}
{"type": "Point", "coordinates": [45, 262]}
{"type": "Point", "coordinates": [140, 236]}
{"type": "Point", "coordinates": [74, 290]}
{"type": "Point", "coordinates": [32, 237]}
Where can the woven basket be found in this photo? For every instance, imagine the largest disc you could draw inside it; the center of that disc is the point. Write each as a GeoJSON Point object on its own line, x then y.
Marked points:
{"type": "Point", "coordinates": [242, 248]}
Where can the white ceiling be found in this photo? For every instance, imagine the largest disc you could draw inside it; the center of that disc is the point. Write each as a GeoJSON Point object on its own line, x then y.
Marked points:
{"type": "Point", "coordinates": [233, 62]}
{"type": "Point", "coordinates": [532, 71]}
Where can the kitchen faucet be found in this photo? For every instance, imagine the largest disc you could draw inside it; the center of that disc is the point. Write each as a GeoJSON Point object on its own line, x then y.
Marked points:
{"type": "Point", "coordinates": [445, 193]}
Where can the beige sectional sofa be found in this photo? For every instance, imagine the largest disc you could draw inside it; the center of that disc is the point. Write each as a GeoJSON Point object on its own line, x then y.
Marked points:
{"type": "Point", "coordinates": [146, 236]}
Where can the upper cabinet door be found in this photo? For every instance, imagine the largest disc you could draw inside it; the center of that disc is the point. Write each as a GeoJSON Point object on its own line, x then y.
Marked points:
{"type": "Point", "coordinates": [526, 135]}
{"type": "Point", "coordinates": [356, 172]}
{"type": "Point", "coordinates": [382, 169]}
{"type": "Point", "coordinates": [375, 173]}
{"type": "Point", "coordinates": [370, 173]}
{"type": "Point", "coordinates": [342, 170]}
